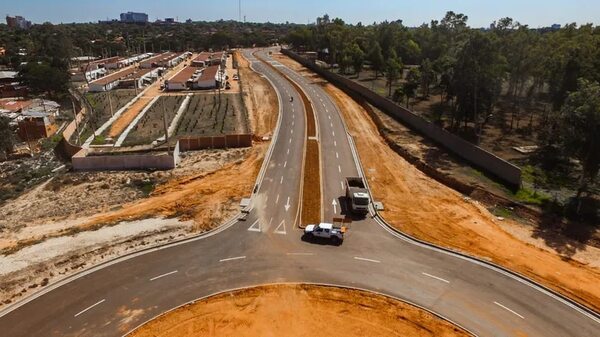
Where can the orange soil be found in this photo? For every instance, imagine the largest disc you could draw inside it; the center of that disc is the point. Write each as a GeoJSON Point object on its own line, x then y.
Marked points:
{"type": "Point", "coordinates": [298, 310]}
{"type": "Point", "coordinates": [424, 208]}
{"type": "Point", "coordinates": [311, 191]}
{"type": "Point", "coordinates": [207, 197]}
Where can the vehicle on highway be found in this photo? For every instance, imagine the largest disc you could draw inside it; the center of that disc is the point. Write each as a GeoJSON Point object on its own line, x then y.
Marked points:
{"type": "Point", "coordinates": [357, 195]}
{"type": "Point", "coordinates": [326, 231]}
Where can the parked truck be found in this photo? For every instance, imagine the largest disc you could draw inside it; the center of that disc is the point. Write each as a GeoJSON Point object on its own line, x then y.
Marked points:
{"type": "Point", "coordinates": [326, 231]}
{"type": "Point", "coordinates": [357, 195]}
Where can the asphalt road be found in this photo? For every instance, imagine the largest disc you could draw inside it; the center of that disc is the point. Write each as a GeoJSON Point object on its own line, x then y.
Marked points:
{"type": "Point", "coordinates": [266, 247]}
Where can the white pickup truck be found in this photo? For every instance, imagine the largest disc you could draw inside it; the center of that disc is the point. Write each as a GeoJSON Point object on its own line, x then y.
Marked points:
{"type": "Point", "coordinates": [326, 231]}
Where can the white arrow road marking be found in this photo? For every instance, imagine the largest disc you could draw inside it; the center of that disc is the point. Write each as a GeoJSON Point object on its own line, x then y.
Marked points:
{"type": "Point", "coordinates": [435, 277]}
{"type": "Point", "coordinates": [88, 308]}
{"type": "Point", "coordinates": [232, 258]}
{"type": "Point", "coordinates": [163, 275]}
{"type": "Point", "coordinates": [280, 231]}
{"type": "Point", "coordinates": [255, 227]}
{"type": "Point", "coordinates": [334, 204]}
{"type": "Point", "coordinates": [368, 260]}
{"type": "Point", "coordinates": [287, 205]}
{"type": "Point", "coordinates": [507, 309]}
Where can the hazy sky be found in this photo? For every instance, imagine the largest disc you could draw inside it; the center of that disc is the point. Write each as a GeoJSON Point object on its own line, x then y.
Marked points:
{"type": "Point", "coordinates": [481, 13]}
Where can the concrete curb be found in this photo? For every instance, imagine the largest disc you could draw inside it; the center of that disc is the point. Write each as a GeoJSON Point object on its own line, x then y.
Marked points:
{"type": "Point", "coordinates": [317, 284]}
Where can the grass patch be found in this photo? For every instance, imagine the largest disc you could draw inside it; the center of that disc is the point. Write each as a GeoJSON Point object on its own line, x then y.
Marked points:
{"type": "Point", "coordinates": [99, 140]}
{"type": "Point", "coordinates": [528, 196]}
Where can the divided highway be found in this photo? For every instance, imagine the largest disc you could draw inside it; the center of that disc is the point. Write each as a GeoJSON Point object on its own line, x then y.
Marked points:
{"type": "Point", "coordinates": [266, 247]}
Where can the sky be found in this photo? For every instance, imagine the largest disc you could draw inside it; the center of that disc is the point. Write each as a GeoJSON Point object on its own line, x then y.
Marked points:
{"type": "Point", "coordinates": [535, 13]}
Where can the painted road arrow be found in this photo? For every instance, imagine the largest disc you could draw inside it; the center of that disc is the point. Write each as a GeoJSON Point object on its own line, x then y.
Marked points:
{"type": "Point", "coordinates": [334, 208]}
{"type": "Point", "coordinates": [287, 205]}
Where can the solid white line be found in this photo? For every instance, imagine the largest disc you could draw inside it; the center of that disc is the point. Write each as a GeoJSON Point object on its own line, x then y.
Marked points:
{"type": "Point", "coordinates": [435, 277]}
{"type": "Point", "coordinates": [368, 260]}
{"type": "Point", "coordinates": [285, 164]}
{"type": "Point", "coordinates": [233, 258]}
{"type": "Point", "coordinates": [88, 308]}
{"type": "Point", "coordinates": [342, 183]}
{"type": "Point", "coordinates": [302, 254]}
{"type": "Point", "coordinates": [340, 168]}
{"type": "Point", "coordinates": [281, 180]}
{"type": "Point", "coordinates": [505, 308]}
{"type": "Point", "coordinates": [163, 275]}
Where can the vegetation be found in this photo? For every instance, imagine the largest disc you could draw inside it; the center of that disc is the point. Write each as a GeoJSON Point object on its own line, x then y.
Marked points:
{"type": "Point", "coordinates": [6, 137]}
{"type": "Point", "coordinates": [471, 69]}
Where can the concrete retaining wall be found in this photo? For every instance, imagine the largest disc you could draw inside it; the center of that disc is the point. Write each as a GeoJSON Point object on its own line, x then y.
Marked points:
{"type": "Point", "coordinates": [215, 142]}
{"type": "Point", "coordinates": [83, 161]}
{"type": "Point", "coordinates": [473, 154]}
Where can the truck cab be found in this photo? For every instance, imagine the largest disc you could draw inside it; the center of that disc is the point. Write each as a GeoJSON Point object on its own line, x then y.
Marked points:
{"type": "Point", "coordinates": [357, 195]}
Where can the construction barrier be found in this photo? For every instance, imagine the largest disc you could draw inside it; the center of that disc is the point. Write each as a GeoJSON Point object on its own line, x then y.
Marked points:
{"type": "Point", "coordinates": [473, 154]}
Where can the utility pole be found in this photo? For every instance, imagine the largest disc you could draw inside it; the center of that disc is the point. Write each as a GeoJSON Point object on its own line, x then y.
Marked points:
{"type": "Point", "coordinates": [165, 125]}
{"type": "Point", "coordinates": [110, 105]}
{"type": "Point", "coordinates": [76, 123]}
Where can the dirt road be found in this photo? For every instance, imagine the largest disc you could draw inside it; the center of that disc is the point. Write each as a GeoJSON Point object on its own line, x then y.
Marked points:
{"type": "Point", "coordinates": [298, 310]}
{"type": "Point", "coordinates": [422, 207]}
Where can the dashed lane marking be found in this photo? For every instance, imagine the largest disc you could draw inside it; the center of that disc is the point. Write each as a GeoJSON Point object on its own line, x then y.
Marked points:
{"type": "Point", "coordinates": [340, 168]}
{"type": "Point", "coordinates": [300, 254]}
{"type": "Point", "coordinates": [367, 260]}
{"type": "Point", "coordinates": [233, 258]}
{"type": "Point", "coordinates": [435, 277]}
{"type": "Point", "coordinates": [90, 307]}
{"type": "Point", "coordinates": [509, 310]}
{"type": "Point", "coordinates": [163, 275]}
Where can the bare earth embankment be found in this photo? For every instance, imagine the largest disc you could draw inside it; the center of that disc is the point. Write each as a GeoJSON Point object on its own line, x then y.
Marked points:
{"type": "Point", "coordinates": [424, 208]}
{"type": "Point", "coordinates": [298, 310]}
{"type": "Point", "coordinates": [111, 213]}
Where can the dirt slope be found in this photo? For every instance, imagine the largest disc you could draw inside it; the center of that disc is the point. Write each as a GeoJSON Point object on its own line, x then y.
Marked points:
{"type": "Point", "coordinates": [422, 207]}
{"type": "Point", "coordinates": [298, 310]}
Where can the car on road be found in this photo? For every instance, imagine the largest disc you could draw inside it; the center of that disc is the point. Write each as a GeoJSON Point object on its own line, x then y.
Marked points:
{"type": "Point", "coordinates": [325, 231]}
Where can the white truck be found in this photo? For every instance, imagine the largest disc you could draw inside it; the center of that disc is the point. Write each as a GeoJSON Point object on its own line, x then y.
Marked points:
{"type": "Point", "coordinates": [357, 195]}
{"type": "Point", "coordinates": [326, 231]}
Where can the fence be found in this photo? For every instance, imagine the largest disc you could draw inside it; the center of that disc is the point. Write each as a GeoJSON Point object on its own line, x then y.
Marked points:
{"type": "Point", "coordinates": [215, 142]}
{"type": "Point", "coordinates": [473, 154]}
{"type": "Point", "coordinates": [86, 161]}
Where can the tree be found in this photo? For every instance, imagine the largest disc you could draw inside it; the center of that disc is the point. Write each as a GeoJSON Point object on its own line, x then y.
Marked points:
{"type": "Point", "coordinates": [376, 58]}
{"type": "Point", "coordinates": [358, 58]}
{"type": "Point", "coordinates": [345, 62]}
{"type": "Point", "coordinates": [6, 137]}
{"type": "Point", "coordinates": [44, 78]}
{"type": "Point", "coordinates": [393, 71]}
{"type": "Point", "coordinates": [412, 83]}
{"type": "Point", "coordinates": [427, 76]}
{"type": "Point", "coordinates": [580, 125]}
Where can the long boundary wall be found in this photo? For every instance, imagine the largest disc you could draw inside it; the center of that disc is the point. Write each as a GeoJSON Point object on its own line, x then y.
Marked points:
{"type": "Point", "coordinates": [475, 155]}
{"type": "Point", "coordinates": [215, 142]}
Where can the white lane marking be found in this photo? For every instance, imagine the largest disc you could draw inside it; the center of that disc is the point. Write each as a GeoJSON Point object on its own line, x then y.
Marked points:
{"type": "Point", "coordinates": [333, 133]}
{"type": "Point", "coordinates": [293, 112]}
{"type": "Point", "coordinates": [326, 110]}
{"type": "Point", "coordinates": [334, 143]}
{"type": "Point", "coordinates": [342, 183]}
{"type": "Point", "coordinates": [300, 254]}
{"type": "Point", "coordinates": [281, 180]}
{"type": "Point", "coordinates": [290, 140]}
{"type": "Point", "coordinates": [280, 231]}
{"type": "Point", "coordinates": [292, 131]}
{"type": "Point", "coordinates": [334, 204]}
{"type": "Point", "coordinates": [368, 260]}
{"type": "Point", "coordinates": [90, 307]}
{"type": "Point", "coordinates": [435, 277]}
{"type": "Point", "coordinates": [266, 199]}
{"type": "Point", "coordinates": [507, 309]}
{"type": "Point", "coordinates": [340, 168]}
{"type": "Point", "coordinates": [163, 275]}
{"type": "Point", "coordinates": [287, 205]}
{"type": "Point", "coordinates": [331, 125]}
{"type": "Point", "coordinates": [232, 258]}
{"type": "Point", "coordinates": [285, 164]}
{"type": "Point", "coordinates": [277, 200]}
{"type": "Point", "coordinates": [329, 116]}
{"type": "Point", "coordinates": [255, 229]}
{"type": "Point", "coordinates": [337, 155]}
{"type": "Point", "coordinates": [293, 123]}
{"type": "Point", "coordinates": [288, 151]}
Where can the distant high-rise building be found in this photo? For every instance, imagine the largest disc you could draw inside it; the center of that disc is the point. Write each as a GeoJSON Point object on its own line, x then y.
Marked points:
{"type": "Point", "coordinates": [555, 26]}
{"type": "Point", "coordinates": [17, 22]}
{"type": "Point", "coordinates": [132, 17]}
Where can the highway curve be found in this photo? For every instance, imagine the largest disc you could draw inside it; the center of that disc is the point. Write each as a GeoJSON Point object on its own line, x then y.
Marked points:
{"type": "Point", "coordinates": [266, 247]}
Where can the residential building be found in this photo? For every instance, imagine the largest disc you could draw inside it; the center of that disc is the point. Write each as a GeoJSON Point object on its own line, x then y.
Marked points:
{"type": "Point", "coordinates": [17, 22]}
{"type": "Point", "coordinates": [211, 78]}
{"type": "Point", "coordinates": [34, 125]}
{"type": "Point", "coordinates": [183, 79]}
{"type": "Point", "coordinates": [134, 17]}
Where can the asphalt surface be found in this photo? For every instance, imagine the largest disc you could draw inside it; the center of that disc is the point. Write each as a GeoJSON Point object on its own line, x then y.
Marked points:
{"type": "Point", "coordinates": [267, 247]}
